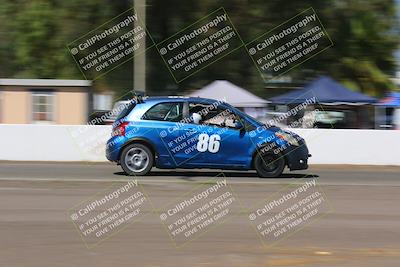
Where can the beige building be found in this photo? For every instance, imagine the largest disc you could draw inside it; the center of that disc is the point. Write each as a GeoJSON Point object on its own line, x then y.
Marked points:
{"type": "Point", "coordinates": [44, 101]}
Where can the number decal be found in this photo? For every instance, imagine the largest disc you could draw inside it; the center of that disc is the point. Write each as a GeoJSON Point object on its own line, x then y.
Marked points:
{"type": "Point", "coordinates": [210, 143]}
{"type": "Point", "coordinates": [213, 144]}
{"type": "Point", "coordinates": [202, 145]}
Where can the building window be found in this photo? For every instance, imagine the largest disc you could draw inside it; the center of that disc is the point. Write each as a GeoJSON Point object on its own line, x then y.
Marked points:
{"type": "Point", "coordinates": [42, 107]}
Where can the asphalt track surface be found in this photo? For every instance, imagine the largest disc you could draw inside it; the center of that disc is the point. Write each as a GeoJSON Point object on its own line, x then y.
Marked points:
{"type": "Point", "coordinates": [361, 228]}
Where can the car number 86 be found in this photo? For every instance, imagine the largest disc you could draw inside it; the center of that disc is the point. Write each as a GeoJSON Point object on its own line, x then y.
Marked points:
{"type": "Point", "coordinates": [210, 143]}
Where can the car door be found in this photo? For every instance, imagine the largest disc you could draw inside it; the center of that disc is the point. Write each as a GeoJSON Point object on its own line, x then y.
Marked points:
{"type": "Point", "coordinates": [185, 145]}
{"type": "Point", "coordinates": [175, 134]}
{"type": "Point", "coordinates": [218, 141]}
{"type": "Point", "coordinates": [161, 123]}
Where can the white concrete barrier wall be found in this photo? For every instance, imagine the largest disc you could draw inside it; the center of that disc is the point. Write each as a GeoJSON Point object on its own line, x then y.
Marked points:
{"type": "Point", "coordinates": [87, 143]}
{"type": "Point", "coordinates": [359, 147]}
{"type": "Point", "coordinates": [31, 142]}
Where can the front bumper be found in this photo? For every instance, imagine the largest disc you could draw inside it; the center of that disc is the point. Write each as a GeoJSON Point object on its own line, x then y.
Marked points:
{"type": "Point", "coordinates": [297, 157]}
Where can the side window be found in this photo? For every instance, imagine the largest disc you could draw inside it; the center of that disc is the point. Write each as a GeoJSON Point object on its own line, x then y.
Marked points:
{"type": "Point", "coordinates": [198, 108]}
{"type": "Point", "coordinates": [215, 116]}
{"type": "Point", "coordinates": [164, 112]}
{"type": "Point", "coordinates": [221, 118]}
{"type": "Point", "coordinates": [42, 107]}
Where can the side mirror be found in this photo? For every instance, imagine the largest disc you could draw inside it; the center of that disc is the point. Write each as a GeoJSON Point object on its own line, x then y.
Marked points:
{"type": "Point", "coordinates": [238, 125]}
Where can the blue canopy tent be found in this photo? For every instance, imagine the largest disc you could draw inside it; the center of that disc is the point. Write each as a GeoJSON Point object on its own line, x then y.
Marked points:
{"type": "Point", "coordinates": [326, 91]}
{"type": "Point", "coordinates": [388, 112]}
{"type": "Point", "coordinates": [348, 109]}
{"type": "Point", "coordinates": [391, 100]}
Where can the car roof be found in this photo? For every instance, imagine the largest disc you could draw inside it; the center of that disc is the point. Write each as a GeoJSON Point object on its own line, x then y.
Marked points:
{"type": "Point", "coordinates": [156, 99]}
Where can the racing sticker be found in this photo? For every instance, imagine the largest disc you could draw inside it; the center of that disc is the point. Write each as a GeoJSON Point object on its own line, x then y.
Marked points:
{"type": "Point", "coordinates": [208, 143]}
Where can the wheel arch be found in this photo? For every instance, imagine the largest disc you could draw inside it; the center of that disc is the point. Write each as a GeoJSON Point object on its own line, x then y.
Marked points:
{"type": "Point", "coordinates": [138, 140]}
{"type": "Point", "coordinates": [265, 146]}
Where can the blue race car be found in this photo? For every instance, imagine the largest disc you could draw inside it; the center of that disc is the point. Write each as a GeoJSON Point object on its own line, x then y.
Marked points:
{"type": "Point", "coordinates": [190, 132]}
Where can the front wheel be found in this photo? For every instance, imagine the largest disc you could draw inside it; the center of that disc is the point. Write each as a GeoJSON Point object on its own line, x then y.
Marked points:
{"type": "Point", "coordinates": [269, 164]}
{"type": "Point", "coordinates": [137, 159]}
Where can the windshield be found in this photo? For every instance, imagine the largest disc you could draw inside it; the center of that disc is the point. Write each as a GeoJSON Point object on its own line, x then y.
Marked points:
{"type": "Point", "coordinates": [254, 121]}
{"type": "Point", "coordinates": [250, 122]}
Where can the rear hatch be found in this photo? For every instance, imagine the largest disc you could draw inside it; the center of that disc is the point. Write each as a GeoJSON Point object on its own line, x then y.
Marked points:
{"type": "Point", "coordinates": [126, 108]}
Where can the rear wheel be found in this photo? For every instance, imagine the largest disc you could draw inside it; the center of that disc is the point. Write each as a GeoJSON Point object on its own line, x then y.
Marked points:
{"type": "Point", "coordinates": [269, 164]}
{"type": "Point", "coordinates": [137, 159]}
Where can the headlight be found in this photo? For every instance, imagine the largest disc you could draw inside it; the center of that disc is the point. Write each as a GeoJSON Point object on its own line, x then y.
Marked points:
{"type": "Point", "coordinates": [287, 137]}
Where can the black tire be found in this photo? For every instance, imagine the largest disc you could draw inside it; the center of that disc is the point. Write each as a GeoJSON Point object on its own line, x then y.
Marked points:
{"type": "Point", "coordinates": [132, 157]}
{"type": "Point", "coordinates": [269, 164]}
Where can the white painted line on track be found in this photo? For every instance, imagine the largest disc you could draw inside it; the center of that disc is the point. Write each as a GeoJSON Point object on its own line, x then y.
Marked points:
{"type": "Point", "coordinates": [183, 181]}
{"type": "Point", "coordinates": [23, 189]}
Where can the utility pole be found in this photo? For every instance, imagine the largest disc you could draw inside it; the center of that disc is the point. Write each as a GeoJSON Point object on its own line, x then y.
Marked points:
{"type": "Point", "coordinates": [139, 60]}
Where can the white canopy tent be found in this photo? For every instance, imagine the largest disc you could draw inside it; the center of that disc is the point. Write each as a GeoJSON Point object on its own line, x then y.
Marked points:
{"type": "Point", "coordinates": [232, 94]}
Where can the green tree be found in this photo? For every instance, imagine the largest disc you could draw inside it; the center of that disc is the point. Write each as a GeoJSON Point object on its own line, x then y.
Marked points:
{"type": "Point", "coordinates": [34, 35]}
{"type": "Point", "coordinates": [35, 27]}
{"type": "Point", "coordinates": [365, 36]}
